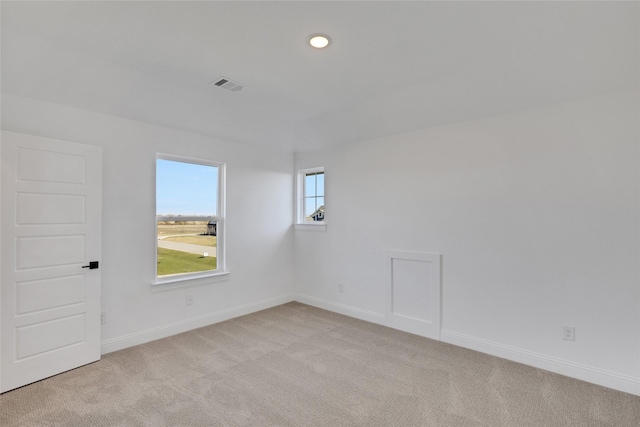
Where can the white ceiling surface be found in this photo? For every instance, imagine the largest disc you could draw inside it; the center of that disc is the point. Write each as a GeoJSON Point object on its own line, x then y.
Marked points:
{"type": "Point", "coordinates": [392, 67]}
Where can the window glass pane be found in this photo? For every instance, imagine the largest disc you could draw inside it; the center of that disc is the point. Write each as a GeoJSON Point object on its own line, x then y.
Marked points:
{"type": "Point", "coordinates": [310, 185]}
{"type": "Point", "coordinates": [320, 185]}
{"type": "Point", "coordinates": [319, 202]}
{"type": "Point", "coordinates": [186, 188]}
{"type": "Point", "coordinates": [186, 207]}
{"type": "Point", "coordinates": [309, 207]}
{"type": "Point", "coordinates": [185, 247]}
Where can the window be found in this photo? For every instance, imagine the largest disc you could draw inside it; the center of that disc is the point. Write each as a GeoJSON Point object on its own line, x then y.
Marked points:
{"type": "Point", "coordinates": [311, 196]}
{"type": "Point", "coordinates": [189, 218]}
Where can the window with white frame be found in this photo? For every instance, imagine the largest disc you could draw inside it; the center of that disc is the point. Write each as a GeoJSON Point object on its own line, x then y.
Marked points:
{"type": "Point", "coordinates": [311, 196]}
{"type": "Point", "coordinates": [189, 217]}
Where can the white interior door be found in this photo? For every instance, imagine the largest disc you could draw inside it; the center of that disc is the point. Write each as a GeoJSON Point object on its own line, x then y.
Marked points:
{"type": "Point", "coordinates": [51, 229]}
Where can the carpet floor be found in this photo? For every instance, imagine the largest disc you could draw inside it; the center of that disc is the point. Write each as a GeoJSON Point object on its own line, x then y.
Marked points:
{"type": "Point", "coordinates": [296, 365]}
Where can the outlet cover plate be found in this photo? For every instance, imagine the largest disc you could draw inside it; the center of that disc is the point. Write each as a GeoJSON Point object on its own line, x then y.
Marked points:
{"type": "Point", "coordinates": [569, 333]}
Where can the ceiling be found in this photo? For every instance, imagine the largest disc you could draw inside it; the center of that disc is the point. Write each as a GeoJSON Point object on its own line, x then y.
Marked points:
{"type": "Point", "coordinates": [392, 66]}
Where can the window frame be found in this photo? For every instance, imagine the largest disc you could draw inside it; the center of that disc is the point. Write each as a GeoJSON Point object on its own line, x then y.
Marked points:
{"type": "Point", "coordinates": [220, 218]}
{"type": "Point", "coordinates": [300, 197]}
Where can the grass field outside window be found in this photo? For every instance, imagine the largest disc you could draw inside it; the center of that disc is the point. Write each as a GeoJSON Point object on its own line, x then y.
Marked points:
{"type": "Point", "coordinates": [177, 262]}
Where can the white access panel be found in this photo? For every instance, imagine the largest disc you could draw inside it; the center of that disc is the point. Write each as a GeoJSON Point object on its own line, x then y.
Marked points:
{"type": "Point", "coordinates": [413, 292]}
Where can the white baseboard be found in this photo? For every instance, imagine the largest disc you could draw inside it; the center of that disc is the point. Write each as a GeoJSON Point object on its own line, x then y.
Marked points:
{"type": "Point", "coordinates": [601, 377]}
{"type": "Point", "coordinates": [137, 338]}
{"type": "Point", "coordinates": [347, 310]}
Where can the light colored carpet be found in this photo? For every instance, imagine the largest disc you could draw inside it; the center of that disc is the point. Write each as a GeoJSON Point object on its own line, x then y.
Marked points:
{"type": "Point", "coordinates": [296, 365]}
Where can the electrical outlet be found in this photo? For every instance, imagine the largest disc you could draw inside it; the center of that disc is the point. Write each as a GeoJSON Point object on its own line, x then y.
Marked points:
{"type": "Point", "coordinates": [569, 333]}
{"type": "Point", "coordinates": [189, 300]}
{"type": "Point", "coordinates": [340, 287]}
{"type": "Point", "coordinates": [103, 317]}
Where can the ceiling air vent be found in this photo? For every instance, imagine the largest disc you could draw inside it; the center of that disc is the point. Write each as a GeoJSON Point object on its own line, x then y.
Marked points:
{"type": "Point", "coordinates": [228, 84]}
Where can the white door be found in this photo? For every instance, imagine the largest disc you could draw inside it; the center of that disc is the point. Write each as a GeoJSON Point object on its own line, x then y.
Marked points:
{"type": "Point", "coordinates": [51, 229]}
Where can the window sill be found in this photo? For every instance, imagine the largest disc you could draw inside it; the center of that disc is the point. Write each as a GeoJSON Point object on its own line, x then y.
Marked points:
{"type": "Point", "coordinates": [186, 281]}
{"type": "Point", "coordinates": [310, 226]}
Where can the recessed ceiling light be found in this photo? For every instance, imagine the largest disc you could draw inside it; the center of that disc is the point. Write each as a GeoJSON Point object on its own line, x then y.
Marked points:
{"type": "Point", "coordinates": [319, 41]}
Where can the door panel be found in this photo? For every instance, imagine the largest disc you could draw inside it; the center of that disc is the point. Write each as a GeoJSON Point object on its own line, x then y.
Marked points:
{"type": "Point", "coordinates": [51, 335]}
{"type": "Point", "coordinates": [51, 222]}
{"type": "Point", "coordinates": [37, 295]}
{"type": "Point", "coordinates": [35, 165]}
{"type": "Point", "coordinates": [33, 208]}
{"type": "Point", "coordinates": [47, 251]}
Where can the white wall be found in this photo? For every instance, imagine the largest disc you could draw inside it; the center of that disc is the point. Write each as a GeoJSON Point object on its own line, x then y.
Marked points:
{"type": "Point", "coordinates": [259, 218]}
{"type": "Point", "coordinates": [536, 214]}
